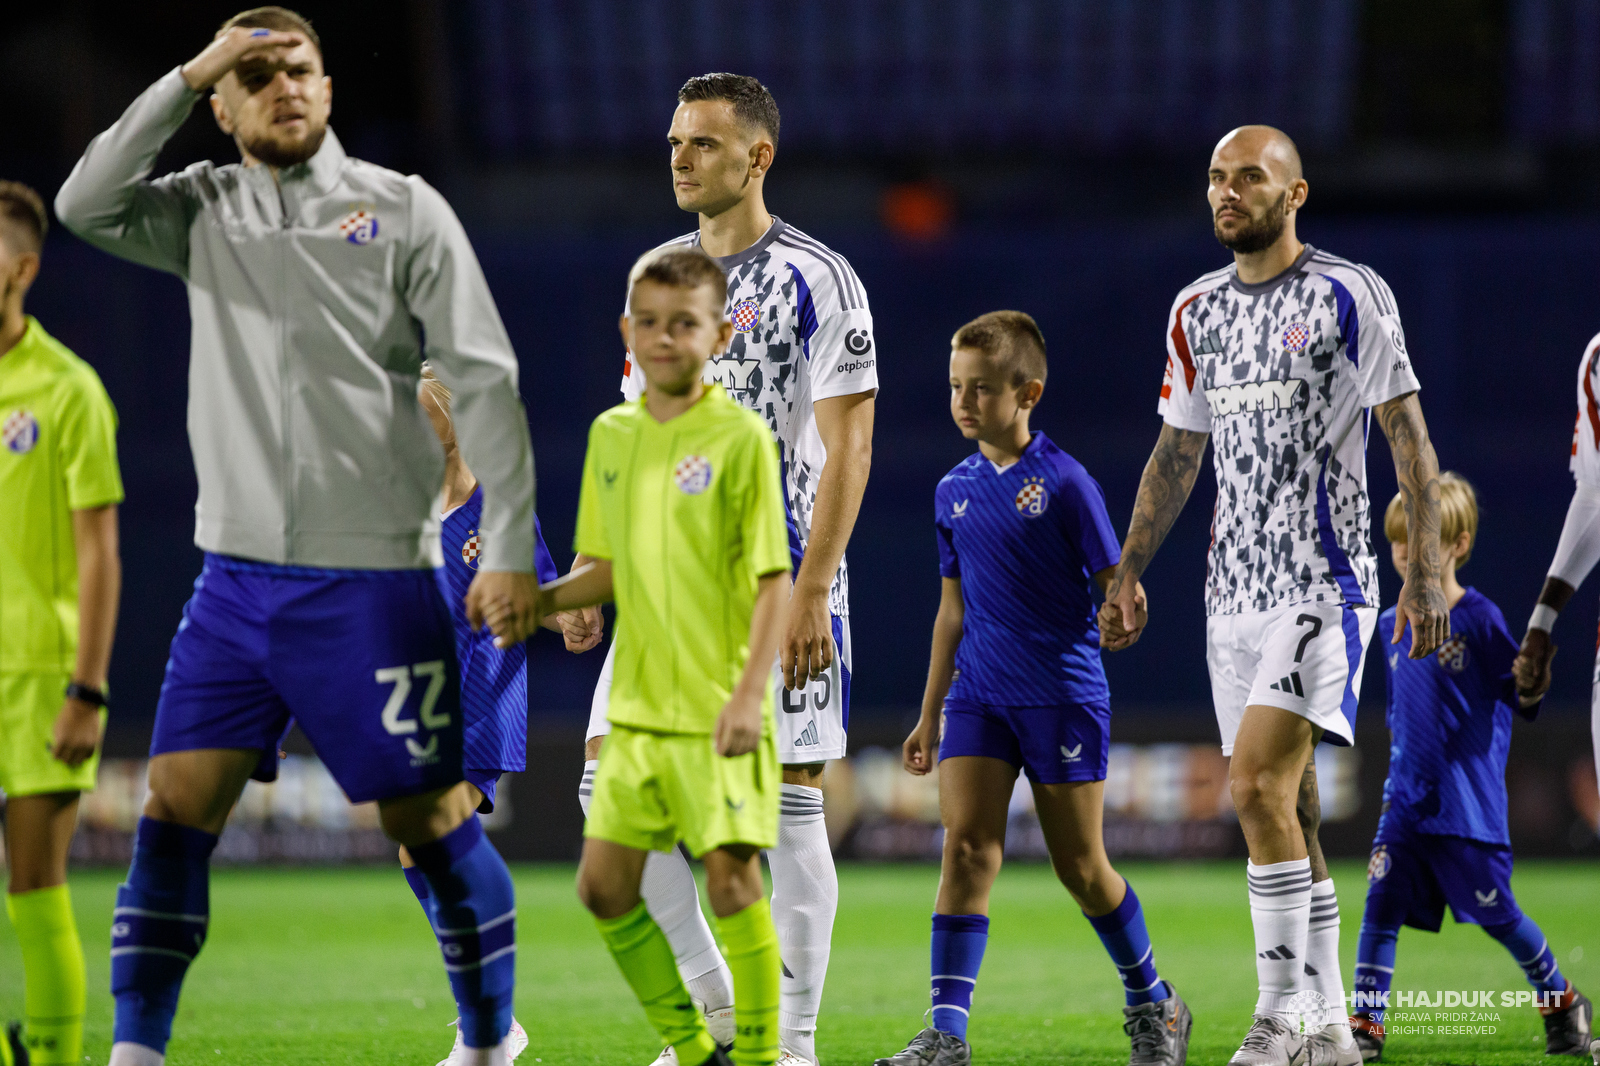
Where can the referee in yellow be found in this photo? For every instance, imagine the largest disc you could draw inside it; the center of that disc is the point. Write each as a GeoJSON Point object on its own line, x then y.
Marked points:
{"type": "Point", "coordinates": [60, 580]}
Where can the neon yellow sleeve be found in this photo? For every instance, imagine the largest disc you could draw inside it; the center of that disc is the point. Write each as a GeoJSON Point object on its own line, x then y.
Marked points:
{"type": "Point", "coordinates": [763, 526]}
{"type": "Point", "coordinates": [87, 444]}
{"type": "Point", "coordinates": [590, 538]}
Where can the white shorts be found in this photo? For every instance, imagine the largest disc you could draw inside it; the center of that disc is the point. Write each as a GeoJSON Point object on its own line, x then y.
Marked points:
{"type": "Point", "coordinates": [1306, 658]}
{"type": "Point", "coordinates": [1594, 711]}
{"type": "Point", "coordinates": [813, 722]}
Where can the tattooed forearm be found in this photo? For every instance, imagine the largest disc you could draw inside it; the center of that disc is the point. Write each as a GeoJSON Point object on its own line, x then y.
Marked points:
{"type": "Point", "coordinates": [1163, 490]}
{"type": "Point", "coordinates": [1417, 469]}
{"type": "Point", "coordinates": [1422, 601]}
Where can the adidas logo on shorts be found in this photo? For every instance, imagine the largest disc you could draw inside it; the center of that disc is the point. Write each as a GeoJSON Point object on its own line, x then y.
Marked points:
{"type": "Point", "coordinates": [1290, 684]}
{"type": "Point", "coordinates": [808, 736]}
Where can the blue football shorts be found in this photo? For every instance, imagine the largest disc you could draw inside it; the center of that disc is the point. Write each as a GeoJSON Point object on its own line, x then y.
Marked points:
{"type": "Point", "coordinates": [1052, 745]}
{"type": "Point", "coordinates": [363, 660]}
{"type": "Point", "coordinates": [1411, 877]}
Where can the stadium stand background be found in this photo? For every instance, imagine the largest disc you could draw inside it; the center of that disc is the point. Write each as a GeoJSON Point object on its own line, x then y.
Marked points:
{"type": "Point", "coordinates": [965, 155]}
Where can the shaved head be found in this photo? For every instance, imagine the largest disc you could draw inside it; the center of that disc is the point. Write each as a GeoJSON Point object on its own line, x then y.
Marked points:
{"type": "Point", "coordinates": [1270, 147]}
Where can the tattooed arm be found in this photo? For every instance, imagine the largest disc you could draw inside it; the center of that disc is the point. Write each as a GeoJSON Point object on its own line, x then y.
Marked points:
{"type": "Point", "coordinates": [1417, 469]}
{"type": "Point", "coordinates": [1163, 490]}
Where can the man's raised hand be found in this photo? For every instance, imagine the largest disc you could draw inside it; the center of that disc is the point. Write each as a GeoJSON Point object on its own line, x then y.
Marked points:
{"type": "Point", "coordinates": [227, 49]}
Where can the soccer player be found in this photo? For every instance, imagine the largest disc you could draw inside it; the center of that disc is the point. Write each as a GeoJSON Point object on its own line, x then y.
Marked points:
{"type": "Point", "coordinates": [1015, 682]}
{"type": "Point", "coordinates": [1442, 837]}
{"type": "Point", "coordinates": [803, 358]}
{"type": "Point", "coordinates": [1576, 552]}
{"type": "Point", "coordinates": [681, 515]}
{"type": "Point", "coordinates": [60, 580]}
{"type": "Point", "coordinates": [1275, 360]}
{"type": "Point", "coordinates": [494, 681]}
{"type": "Point", "coordinates": [317, 284]}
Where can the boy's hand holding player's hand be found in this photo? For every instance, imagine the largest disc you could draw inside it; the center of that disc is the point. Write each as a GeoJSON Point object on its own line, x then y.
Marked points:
{"type": "Point", "coordinates": [920, 752]}
{"type": "Point", "coordinates": [581, 629]}
{"type": "Point", "coordinates": [506, 601]}
{"type": "Point", "coordinates": [77, 732]}
{"type": "Point", "coordinates": [738, 729]}
{"type": "Point", "coordinates": [228, 49]}
{"type": "Point", "coordinates": [1531, 670]}
{"type": "Point", "coordinates": [1123, 616]}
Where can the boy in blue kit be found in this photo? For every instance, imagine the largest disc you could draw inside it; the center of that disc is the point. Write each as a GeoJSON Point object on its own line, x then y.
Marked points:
{"type": "Point", "coordinates": [494, 681]}
{"type": "Point", "coordinates": [1442, 837]}
{"type": "Point", "coordinates": [1015, 682]}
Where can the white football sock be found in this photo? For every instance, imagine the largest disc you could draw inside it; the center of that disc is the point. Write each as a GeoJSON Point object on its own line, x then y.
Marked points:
{"type": "Point", "coordinates": [670, 896]}
{"type": "Point", "coordinates": [1322, 973]}
{"type": "Point", "coordinates": [1280, 907]}
{"type": "Point", "coordinates": [129, 1054]}
{"type": "Point", "coordinates": [805, 897]}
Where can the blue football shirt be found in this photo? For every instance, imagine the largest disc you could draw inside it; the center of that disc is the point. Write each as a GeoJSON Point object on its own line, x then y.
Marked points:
{"type": "Point", "coordinates": [1026, 541]}
{"type": "Point", "coordinates": [494, 682]}
{"type": "Point", "coordinates": [1449, 721]}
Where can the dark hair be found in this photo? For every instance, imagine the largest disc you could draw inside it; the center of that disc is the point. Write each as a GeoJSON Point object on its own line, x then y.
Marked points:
{"type": "Point", "coordinates": [21, 210]}
{"type": "Point", "coordinates": [1009, 337]}
{"type": "Point", "coordinates": [274, 18]}
{"type": "Point", "coordinates": [752, 104]}
{"type": "Point", "coordinates": [683, 268]}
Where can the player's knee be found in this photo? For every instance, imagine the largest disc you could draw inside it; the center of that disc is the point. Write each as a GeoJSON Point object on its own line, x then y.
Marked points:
{"type": "Point", "coordinates": [970, 859]}
{"type": "Point", "coordinates": [602, 896]}
{"type": "Point", "coordinates": [1078, 874]}
{"type": "Point", "coordinates": [591, 748]}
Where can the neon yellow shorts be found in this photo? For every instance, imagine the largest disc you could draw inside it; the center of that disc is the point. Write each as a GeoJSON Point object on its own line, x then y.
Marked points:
{"type": "Point", "coordinates": [29, 704]}
{"type": "Point", "coordinates": [655, 789]}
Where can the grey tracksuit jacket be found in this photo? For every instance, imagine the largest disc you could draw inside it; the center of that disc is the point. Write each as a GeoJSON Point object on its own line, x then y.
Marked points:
{"type": "Point", "coordinates": [314, 296]}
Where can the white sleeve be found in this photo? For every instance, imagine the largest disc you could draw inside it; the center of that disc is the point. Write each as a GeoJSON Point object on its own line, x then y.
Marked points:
{"type": "Point", "coordinates": [1383, 367]}
{"type": "Point", "coordinates": [1579, 548]}
{"type": "Point", "coordinates": [843, 354]}
{"type": "Point", "coordinates": [1585, 462]}
{"type": "Point", "coordinates": [1183, 399]}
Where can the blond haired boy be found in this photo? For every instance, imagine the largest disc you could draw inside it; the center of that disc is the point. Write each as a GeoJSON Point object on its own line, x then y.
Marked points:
{"type": "Point", "coordinates": [1442, 837]}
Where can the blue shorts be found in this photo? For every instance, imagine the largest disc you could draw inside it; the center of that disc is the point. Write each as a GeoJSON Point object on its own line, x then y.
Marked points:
{"type": "Point", "coordinates": [363, 660]}
{"type": "Point", "coordinates": [1053, 745]}
{"type": "Point", "coordinates": [1412, 876]}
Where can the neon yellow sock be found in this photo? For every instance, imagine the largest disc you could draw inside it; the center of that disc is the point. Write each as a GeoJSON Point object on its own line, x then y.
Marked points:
{"type": "Point", "coordinates": [54, 988]}
{"type": "Point", "coordinates": [642, 951]}
{"type": "Point", "coordinates": [751, 943]}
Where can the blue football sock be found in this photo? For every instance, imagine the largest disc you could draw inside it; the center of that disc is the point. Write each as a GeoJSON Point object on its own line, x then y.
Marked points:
{"type": "Point", "coordinates": [1374, 969]}
{"type": "Point", "coordinates": [419, 888]}
{"type": "Point", "coordinates": [475, 919]}
{"type": "Point", "coordinates": [157, 928]}
{"type": "Point", "coordinates": [1527, 945]}
{"type": "Point", "coordinates": [958, 943]}
{"type": "Point", "coordinates": [1128, 943]}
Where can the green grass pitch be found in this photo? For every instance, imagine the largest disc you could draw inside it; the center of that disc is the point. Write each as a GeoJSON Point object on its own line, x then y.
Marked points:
{"type": "Point", "coordinates": [337, 967]}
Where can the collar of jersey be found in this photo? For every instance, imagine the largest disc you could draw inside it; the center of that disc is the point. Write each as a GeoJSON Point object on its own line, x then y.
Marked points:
{"type": "Point", "coordinates": [14, 360]}
{"type": "Point", "coordinates": [715, 396]}
{"type": "Point", "coordinates": [739, 259]}
{"type": "Point", "coordinates": [321, 171]}
{"type": "Point", "coordinates": [1027, 453]}
{"type": "Point", "coordinates": [1257, 288]}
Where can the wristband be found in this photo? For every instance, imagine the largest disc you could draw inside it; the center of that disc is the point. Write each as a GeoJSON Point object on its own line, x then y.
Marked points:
{"type": "Point", "coordinates": [1544, 617]}
{"type": "Point", "coordinates": [92, 696]}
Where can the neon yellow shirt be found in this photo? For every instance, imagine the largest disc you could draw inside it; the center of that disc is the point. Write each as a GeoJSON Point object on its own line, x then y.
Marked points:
{"type": "Point", "coordinates": [690, 513]}
{"type": "Point", "coordinates": [58, 454]}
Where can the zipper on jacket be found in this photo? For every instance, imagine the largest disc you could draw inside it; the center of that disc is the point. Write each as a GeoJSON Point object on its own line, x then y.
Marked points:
{"type": "Point", "coordinates": [280, 243]}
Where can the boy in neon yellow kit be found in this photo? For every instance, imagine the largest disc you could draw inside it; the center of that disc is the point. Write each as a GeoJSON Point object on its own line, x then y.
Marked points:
{"type": "Point", "coordinates": [60, 578]}
{"type": "Point", "coordinates": [682, 509]}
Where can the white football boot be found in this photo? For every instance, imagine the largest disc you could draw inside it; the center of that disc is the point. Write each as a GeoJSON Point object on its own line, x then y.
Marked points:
{"type": "Point", "coordinates": [719, 1023]}
{"type": "Point", "coordinates": [515, 1043]}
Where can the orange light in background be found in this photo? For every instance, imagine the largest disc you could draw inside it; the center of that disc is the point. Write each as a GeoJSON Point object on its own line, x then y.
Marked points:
{"type": "Point", "coordinates": [918, 210]}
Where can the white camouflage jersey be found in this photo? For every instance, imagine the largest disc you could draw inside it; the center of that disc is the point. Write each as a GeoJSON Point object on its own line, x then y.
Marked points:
{"type": "Point", "coordinates": [1586, 434]}
{"type": "Point", "coordinates": [1281, 374]}
{"type": "Point", "coordinates": [802, 333]}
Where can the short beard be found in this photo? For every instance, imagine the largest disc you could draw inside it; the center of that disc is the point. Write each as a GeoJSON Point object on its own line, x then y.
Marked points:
{"type": "Point", "coordinates": [1260, 234]}
{"type": "Point", "coordinates": [277, 155]}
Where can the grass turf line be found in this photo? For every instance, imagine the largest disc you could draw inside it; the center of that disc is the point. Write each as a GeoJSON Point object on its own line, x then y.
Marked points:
{"type": "Point", "coordinates": [336, 966]}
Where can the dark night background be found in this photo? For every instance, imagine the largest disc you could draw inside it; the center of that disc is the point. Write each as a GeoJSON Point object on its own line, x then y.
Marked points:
{"type": "Point", "coordinates": [964, 156]}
